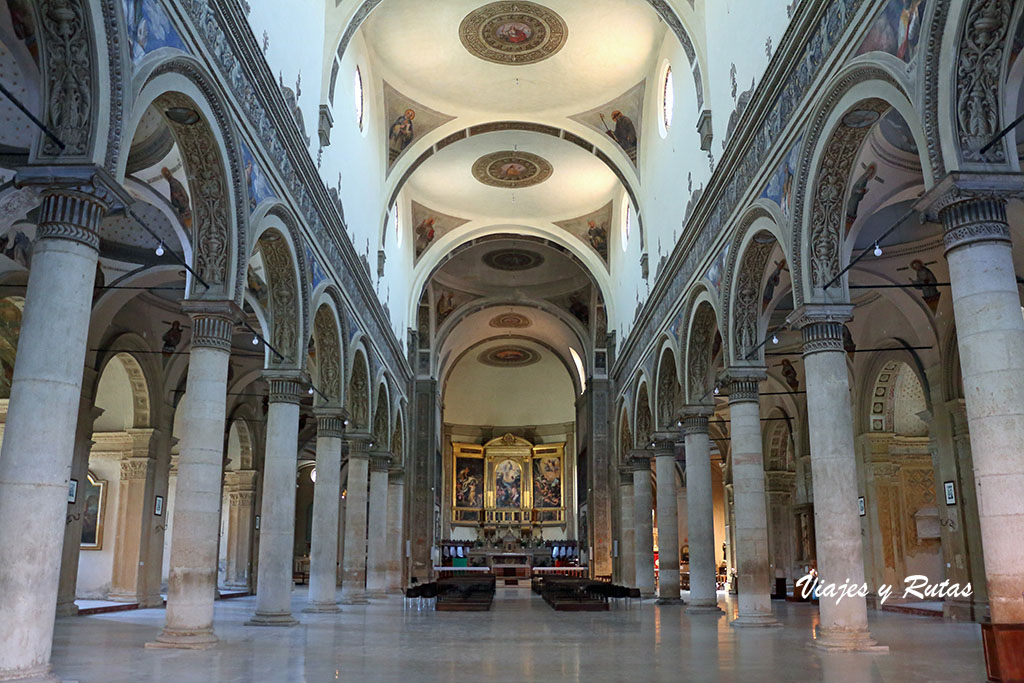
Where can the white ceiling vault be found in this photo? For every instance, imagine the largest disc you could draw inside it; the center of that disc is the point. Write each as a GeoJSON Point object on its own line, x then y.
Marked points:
{"type": "Point", "coordinates": [581, 75]}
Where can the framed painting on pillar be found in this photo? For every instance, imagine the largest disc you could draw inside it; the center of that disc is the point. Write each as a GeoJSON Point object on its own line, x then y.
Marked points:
{"type": "Point", "coordinates": [467, 483]}
{"type": "Point", "coordinates": [95, 492]}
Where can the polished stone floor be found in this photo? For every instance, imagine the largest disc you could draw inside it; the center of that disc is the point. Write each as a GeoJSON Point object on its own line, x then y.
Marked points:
{"type": "Point", "coordinates": [521, 639]}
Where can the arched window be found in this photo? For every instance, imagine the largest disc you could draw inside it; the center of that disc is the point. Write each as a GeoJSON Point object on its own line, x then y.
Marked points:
{"type": "Point", "coordinates": [627, 221]}
{"type": "Point", "coordinates": [668, 101]}
{"type": "Point", "coordinates": [357, 96]}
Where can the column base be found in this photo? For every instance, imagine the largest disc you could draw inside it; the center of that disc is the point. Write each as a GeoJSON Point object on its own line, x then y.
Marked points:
{"type": "Point", "coordinates": [184, 640]}
{"type": "Point", "coordinates": [704, 608]}
{"type": "Point", "coordinates": [354, 598]}
{"type": "Point", "coordinates": [670, 601]}
{"type": "Point", "coordinates": [376, 595]}
{"type": "Point", "coordinates": [755, 621]}
{"type": "Point", "coordinates": [124, 597]}
{"type": "Point", "coordinates": [272, 619]}
{"type": "Point", "coordinates": [322, 608]}
{"type": "Point", "coordinates": [838, 640]}
{"type": "Point", "coordinates": [42, 674]}
{"type": "Point", "coordinates": [648, 596]}
{"type": "Point", "coordinates": [1004, 651]}
{"type": "Point", "coordinates": [67, 609]}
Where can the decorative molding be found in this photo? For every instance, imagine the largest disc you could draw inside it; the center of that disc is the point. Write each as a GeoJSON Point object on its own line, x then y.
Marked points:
{"type": "Point", "coordinates": [744, 388]}
{"type": "Point", "coordinates": [698, 358]}
{"type": "Point", "coordinates": [135, 469]}
{"type": "Point", "coordinates": [328, 353]}
{"type": "Point", "coordinates": [695, 424]}
{"type": "Point", "coordinates": [330, 425]}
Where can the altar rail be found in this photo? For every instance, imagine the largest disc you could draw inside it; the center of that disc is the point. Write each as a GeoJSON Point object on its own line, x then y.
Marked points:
{"type": "Point", "coordinates": [575, 572]}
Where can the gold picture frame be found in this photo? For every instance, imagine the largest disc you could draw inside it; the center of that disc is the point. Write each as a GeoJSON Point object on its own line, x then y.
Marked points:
{"type": "Point", "coordinates": [95, 495]}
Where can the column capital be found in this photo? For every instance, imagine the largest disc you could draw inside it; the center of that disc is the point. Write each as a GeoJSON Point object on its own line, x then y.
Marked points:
{"type": "Point", "coordinates": [396, 475]}
{"type": "Point", "coordinates": [74, 200]}
{"type": "Point", "coordinates": [743, 383]}
{"type": "Point", "coordinates": [972, 206]}
{"type": "Point", "coordinates": [625, 476]}
{"type": "Point", "coordinates": [379, 461]}
{"type": "Point", "coordinates": [330, 422]}
{"type": "Point", "coordinates": [135, 469]}
{"type": "Point", "coordinates": [664, 444]}
{"type": "Point", "coordinates": [213, 323]}
{"type": "Point", "coordinates": [359, 444]}
{"type": "Point", "coordinates": [695, 420]}
{"type": "Point", "coordinates": [286, 386]}
{"type": "Point", "coordinates": [822, 326]}
{"type": "Point", "coordinates": [638, 459]}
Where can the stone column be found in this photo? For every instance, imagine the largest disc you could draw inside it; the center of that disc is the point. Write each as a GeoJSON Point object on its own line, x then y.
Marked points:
{"type": "Point", "coordinates": [967, 502]}
{"type": "Point", "coordinates": [39, 438]}
{"type": "Point", "coordinates": [627, 537]}
{"type": "Point", "coordinates": [990, 334]}
{"type": "Point", "coordinates": [341, 516]}
{"type": "Point", "coordinates": [751, 534]}
{"type": "Point", "coordinates": [668, 519]}
{"type": "Point", "coordinates": [377, 527]}
{"type": "Point", "coordinates": [396, 548]}
{"type": "Point", "coordinates": [323, 556]}
{"type": "Point", "coordinates": [421, 464]}
{"type": "Point", "coordinates": [700, 513]}
{"type": "Point", "coordinates": [277, 520]}
{"type": "Point", "coordinates": [195, 532]}
{"type": "Point", "coordinates": [353, 584]}
{"type": "Point", "coordinates": [241, 485]}
{"type": "Point", "coordinates": [643, 505]}
{"type": "Point", "coordinates": [840, 553]}
{"type": "Point", "coordinates": [87, 415]}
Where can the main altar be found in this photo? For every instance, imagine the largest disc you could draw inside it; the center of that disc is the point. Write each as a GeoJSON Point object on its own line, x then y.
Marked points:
{"type": "Point", "coordinates": [508, 484]}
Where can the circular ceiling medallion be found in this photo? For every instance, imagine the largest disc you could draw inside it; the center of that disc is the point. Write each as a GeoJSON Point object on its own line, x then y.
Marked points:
{"type": "Point", "coordinates": [513, 32]}
{"type": "Point", "coordinates": [512, 259]}
{"type": "Point", "coordinates": [511, 169]}
{"type": "Point", "coordinates": [509, 356]}
{"type": "Point", "coordinates": [510, 320]}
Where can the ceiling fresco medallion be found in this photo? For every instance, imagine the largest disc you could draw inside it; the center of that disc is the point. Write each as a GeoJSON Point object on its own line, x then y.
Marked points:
{"type": "Point", "coordinates": [512, 259]}
{"type": "Point", "coordinates": [510, 320]}
{"type": "Point", "coordinates": [513, 32]}
{"type": "Point", "coordinates": [511, 169]}
{"type": "Point", "coordinates": [509, 356]}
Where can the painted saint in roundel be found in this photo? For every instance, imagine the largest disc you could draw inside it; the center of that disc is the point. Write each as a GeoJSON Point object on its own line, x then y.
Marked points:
{"type": "Point", "coordinates": [515, 32]}
{"type": "Point", "coordinates": [511, 169]}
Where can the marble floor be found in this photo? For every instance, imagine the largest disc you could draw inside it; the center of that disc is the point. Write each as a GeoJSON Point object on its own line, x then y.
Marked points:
{"type": "Point", "coordinates": [521, 639]}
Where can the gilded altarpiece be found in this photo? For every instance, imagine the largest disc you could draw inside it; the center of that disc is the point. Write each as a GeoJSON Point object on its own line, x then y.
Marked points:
{"type": "Point", "coordinates": [508, 482]}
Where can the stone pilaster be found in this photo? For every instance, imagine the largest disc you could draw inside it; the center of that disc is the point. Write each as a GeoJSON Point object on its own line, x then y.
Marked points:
{"type": "Point", "coordinates": [46, 388]}
{"type": "Point", "coordinates": [779, 490]}
{"type": "Point", "coordinates": [277, 513]}
{"type": "Point", "coordinates": [627, 533]}
{"type": "Point", "coordinates": [323, 561]}
{"type": "Point", "coordinates": [192, 584]}
{"type": "Point", "coordinates": [751, 531]}
{"type": "Point", "coordinates": [393, 582]}
{"type": "Point", "coordinates": [974, 561]}
{"type": "Point", "coordinates": [377, 526]}
{"type": "Point", "coordinates": [130, 580]}
{"type": "Point", "coordinates": [241, 487]}
{"type": "Point", "coordinates": [353, 585]}
{"type": "Point", "coordinates": [700, 513]}
{"type": "Point", "coordinates": [668, 518]}
{"type": "Point", "coordinates": [425, 444]}
{"type": "Point", "coordinates": [840, 553]}
{"type": "Point", "coordinates": [643, 508]}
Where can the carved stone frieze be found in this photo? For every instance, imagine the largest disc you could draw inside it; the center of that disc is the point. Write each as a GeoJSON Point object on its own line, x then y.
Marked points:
{"type": "Point", "coordinates": [328, 353]}
{"type": "Point", "coordinates": [979, 66]}
{"type": "Point", "coordinates": [69, 64]}
{"type": "Point", "coordinates": [699, 355]}
{"type": "Point", "coordinates": [285, 308]}
{"type": "Point", "coordinates": [359, 395]}
{"type": "Point", "coordinates": [746, 308]}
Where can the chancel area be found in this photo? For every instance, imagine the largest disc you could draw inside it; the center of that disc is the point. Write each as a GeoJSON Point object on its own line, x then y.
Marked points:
{"type": "Point", "coordinates": [511, 340]}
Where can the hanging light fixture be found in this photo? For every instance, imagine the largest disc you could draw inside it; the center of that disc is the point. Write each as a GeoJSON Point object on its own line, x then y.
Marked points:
{"type": "Point", "coordinates": [878, 250]}
{"type": "Point", "coordinates": [717, 390]}
{"type": "Point", "coordinates": [775, 338]}
{"type": "Point", "coordinates": [160, 249]}
{"type": "Point", "coordinates": [255, 340]}
{"type": "Point", "coordinates": [312, 475]}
